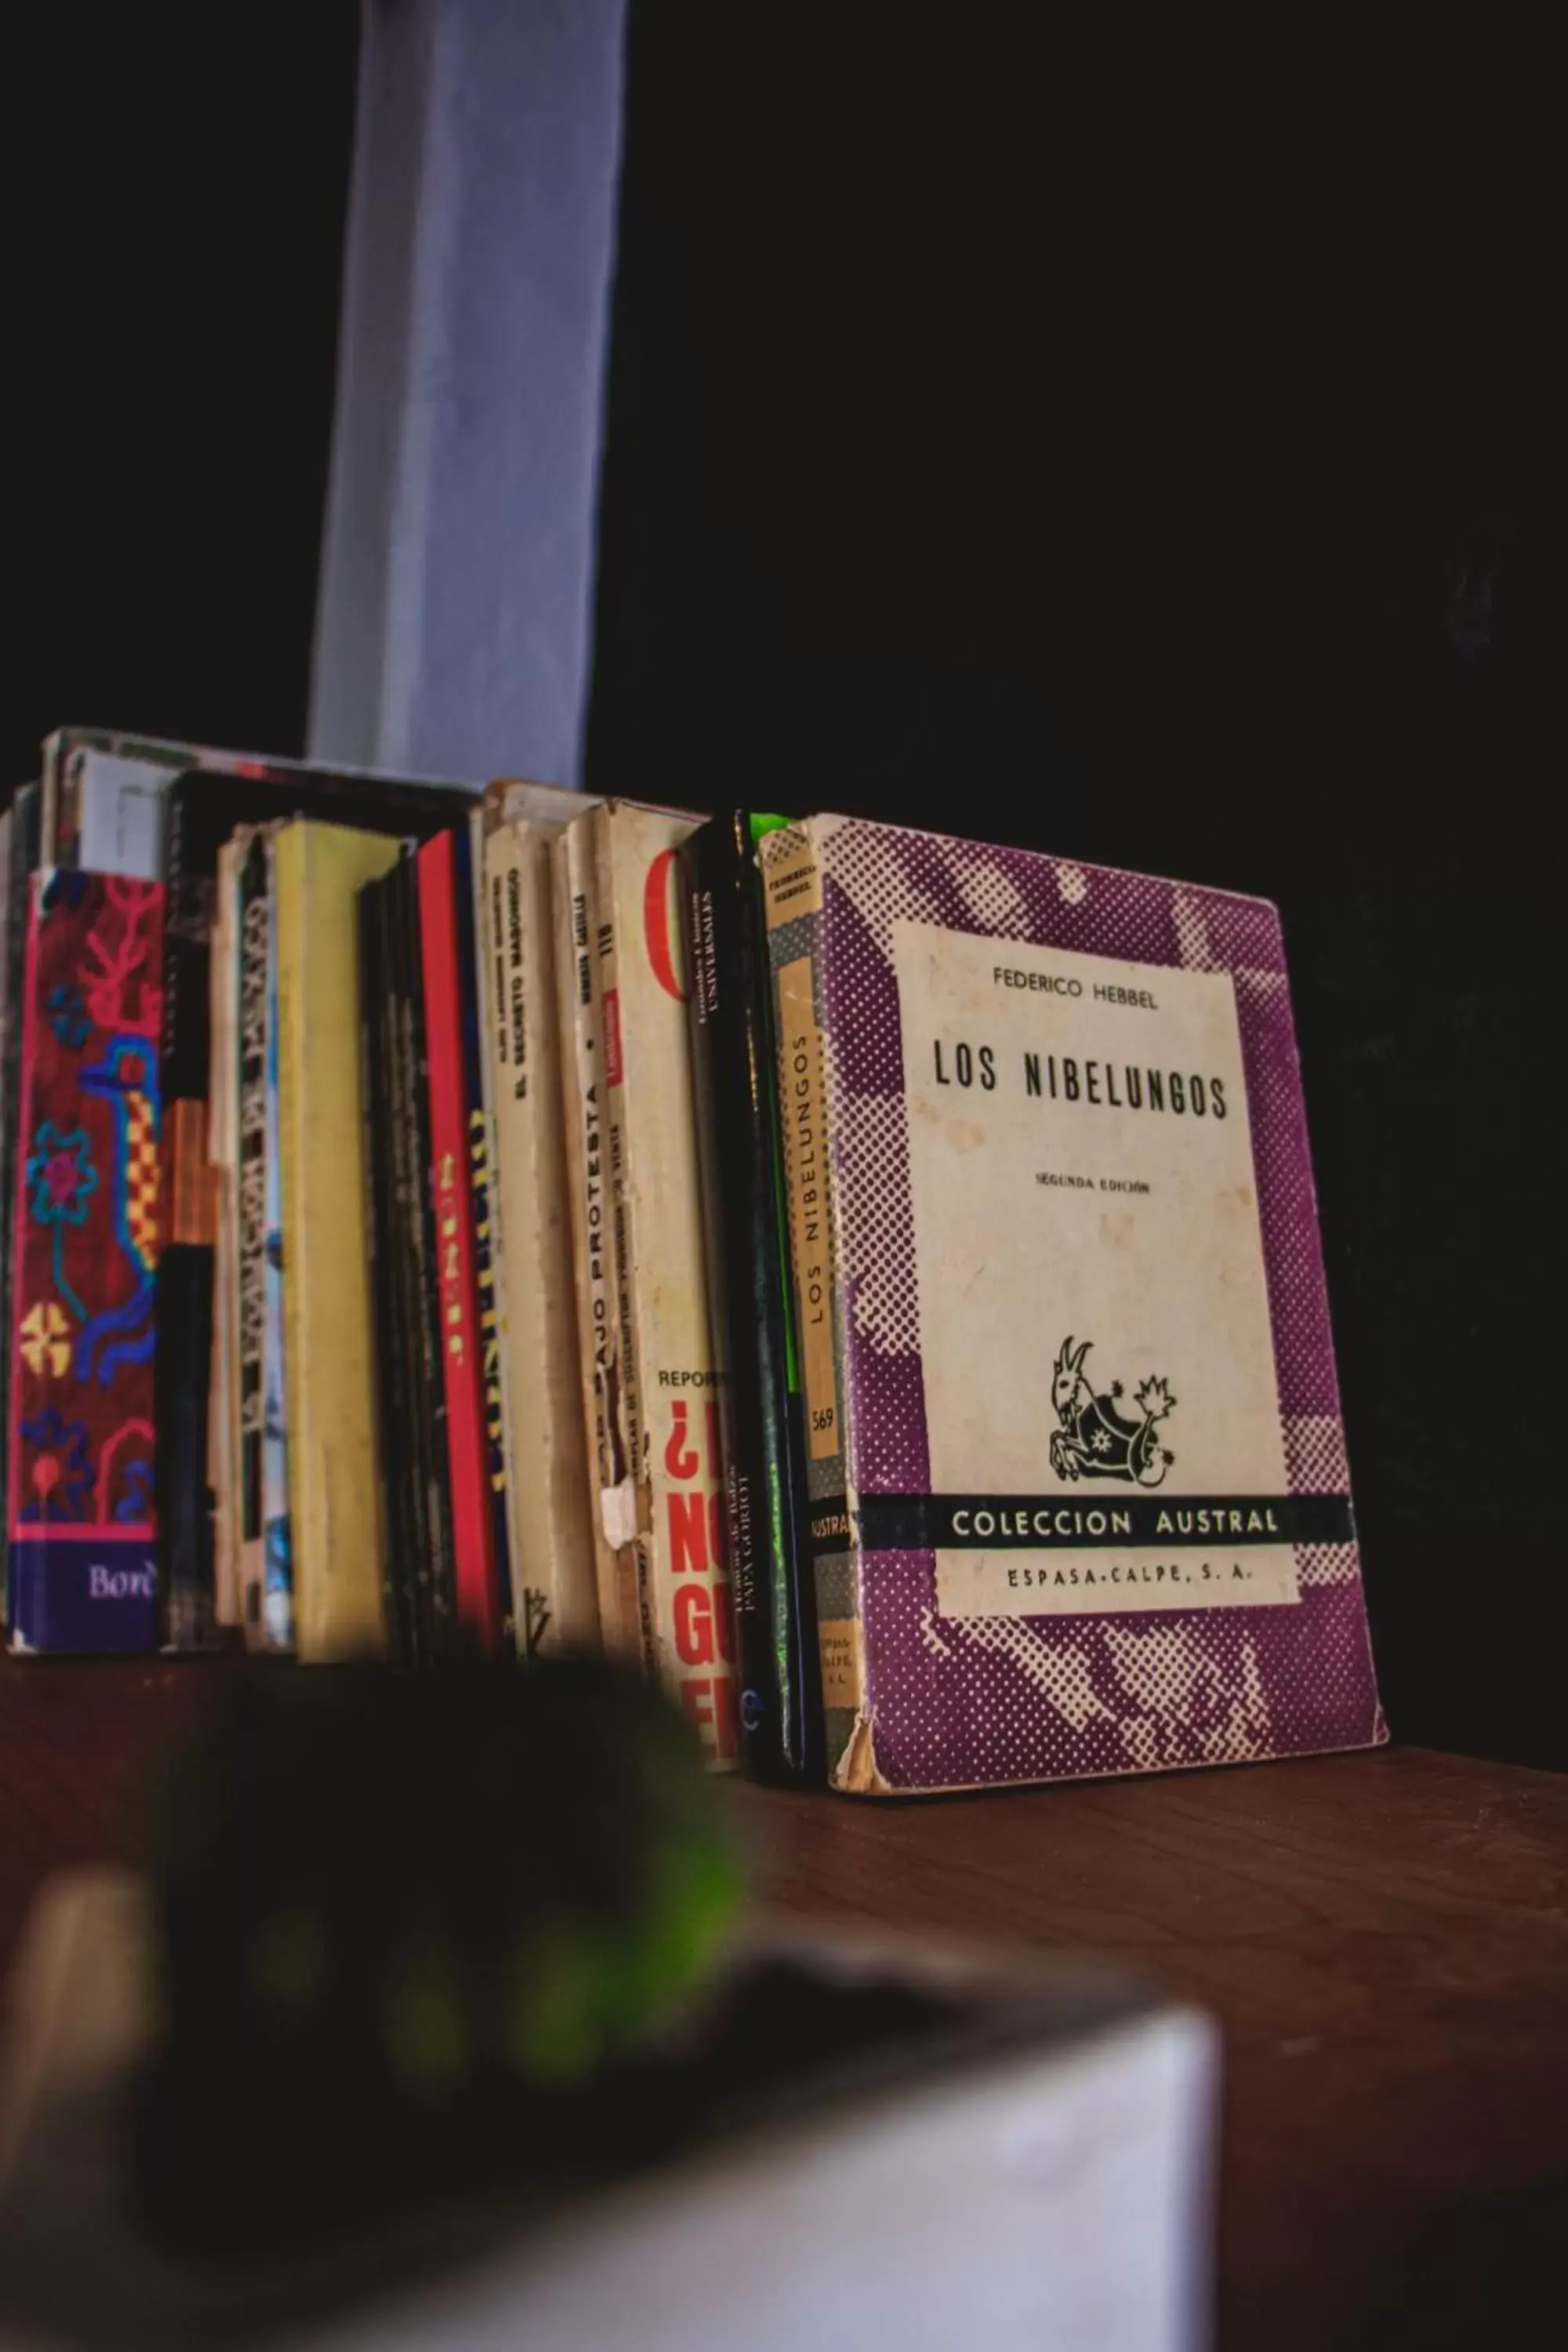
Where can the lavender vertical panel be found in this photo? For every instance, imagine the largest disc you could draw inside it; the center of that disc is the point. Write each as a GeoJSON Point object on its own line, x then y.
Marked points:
{"type": "Point", "coordinates": [454, 632]}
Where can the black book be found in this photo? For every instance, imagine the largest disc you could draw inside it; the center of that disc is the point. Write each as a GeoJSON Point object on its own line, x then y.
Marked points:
{"type": "Point", "coordinates": [760, 1409]}
{"type": "Point", "coordinates": [436, 1589]}
{"type": "Point", "coordinates": [251, 1270]}
{"type": "Point", "coordinates": [397, 1145]}
{"type": "Point", "coordinates": [204, 807]}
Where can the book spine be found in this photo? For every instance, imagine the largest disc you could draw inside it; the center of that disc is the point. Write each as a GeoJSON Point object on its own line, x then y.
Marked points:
{"type": "Point", "coordinates": [618, 1504]}
{"type": "Point", "coordinates": [399, 1418]}
{"type": "Point", "coordinates": [390, 1446]}
{"type": "Point", "coordinates": [329, 1343]}
{"type": "Point", "coordinates": [22, 1575]}
{"type": "Point", "coordinates": [767, 1498]}
{"type": "Point", "coordinates": [677, 1522]}
{"type": "Point", "coordinates": [250, 1185]}
{"type": "Point", "coordinates": [49, 788]}
{"type": "Point", "coordinates": [232, 1605]}
{"type": "Point", "coordinates": [279, 1602]}
{"type": "Point", "coordinates": [520, 1599]}
{"type": "Point", "coordinates": [8, 821]}
{"type": "Point", "coordinates": [488, 1270]}
{"type": "Point", "coordinates": [555, 1582]}
{"type": "Point", "coordinates": [290, 1078]}
{"type": "Point", "coordinates": [26, 811]}
{"type": "Point", "coordinates": [793, 897]}
{"type": "Point", "coordinates": [254, 922]}
{"type": "Point", "coordinates": [473, 1527]}
{"type": "Point", "coordinates": [435, 1598]}
{"type": "Point", "coordinates": [185, 1299]}
{"type": "Point", "coordinates": [7, 1003]}
{"type": "Point", "coordinates": [576, 924]}
{"type": "Point", "coordinates": [222, 1343]}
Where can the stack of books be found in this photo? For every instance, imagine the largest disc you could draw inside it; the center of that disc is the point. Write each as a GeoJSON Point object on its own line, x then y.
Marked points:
{"type": "Point", "coordinates": [866, 1278]}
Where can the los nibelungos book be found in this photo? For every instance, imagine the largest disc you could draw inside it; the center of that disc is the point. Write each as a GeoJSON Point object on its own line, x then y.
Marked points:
{"type": "Point", "coordinates": [1080, 1500]}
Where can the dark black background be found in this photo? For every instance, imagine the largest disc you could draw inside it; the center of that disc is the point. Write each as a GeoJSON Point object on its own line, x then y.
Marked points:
{"type": "Point", "coordinates": [1136, 444]}
{"type": "Point", "coordinates": [176, 185]}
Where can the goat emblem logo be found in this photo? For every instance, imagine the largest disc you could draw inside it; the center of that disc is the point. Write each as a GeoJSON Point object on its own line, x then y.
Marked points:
{"type": "Point", "coordinates": [1094, 1438]}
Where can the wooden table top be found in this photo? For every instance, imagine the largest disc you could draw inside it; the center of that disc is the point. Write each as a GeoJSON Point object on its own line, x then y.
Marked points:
{"type": "Point", "coordinates": [1383, 1937]}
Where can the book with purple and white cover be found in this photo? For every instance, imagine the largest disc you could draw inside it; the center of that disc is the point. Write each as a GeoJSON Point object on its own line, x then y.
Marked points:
{"type": "Point", "coordinates": [1080, 1501]}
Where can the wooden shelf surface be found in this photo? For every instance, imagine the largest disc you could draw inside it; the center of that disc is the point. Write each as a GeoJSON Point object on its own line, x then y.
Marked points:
{"type": "Point", "coordinates": [1383, 1939]}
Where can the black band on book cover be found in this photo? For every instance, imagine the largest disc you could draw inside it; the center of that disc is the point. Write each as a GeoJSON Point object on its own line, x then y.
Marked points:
{"type": "Point", "coordinates": [1075, 1523]}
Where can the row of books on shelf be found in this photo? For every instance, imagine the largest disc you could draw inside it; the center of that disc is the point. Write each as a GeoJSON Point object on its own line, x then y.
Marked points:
{"type": "Point", "coordinates": [868, 1278]}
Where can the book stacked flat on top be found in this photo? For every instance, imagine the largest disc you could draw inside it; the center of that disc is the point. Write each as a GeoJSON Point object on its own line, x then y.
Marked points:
{"type": "Point", "coordinates": [869, 1278]}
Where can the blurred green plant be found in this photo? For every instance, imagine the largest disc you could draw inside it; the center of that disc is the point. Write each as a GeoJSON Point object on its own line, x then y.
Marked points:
{"type": "Point", "coordinates": [404, 1923]}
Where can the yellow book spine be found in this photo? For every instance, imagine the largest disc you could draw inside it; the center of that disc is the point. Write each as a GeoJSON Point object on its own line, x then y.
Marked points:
{"type": "Point", "coordinates": [328, 1346]}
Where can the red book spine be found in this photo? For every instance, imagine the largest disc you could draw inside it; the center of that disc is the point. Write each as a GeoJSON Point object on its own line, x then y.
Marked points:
{"type": "Point", "coordinates": [473, 1526]}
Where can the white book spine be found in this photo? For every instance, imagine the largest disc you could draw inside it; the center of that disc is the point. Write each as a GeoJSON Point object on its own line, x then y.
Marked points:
{"type": "Point", "coordinates": [492, 1309]}
{"type": "Point", "coordinates": [578, 1010]}
{"type": "Point", "coordinates": [672, 1408]}
{"type": "Point", "coordinates": [555, 1594]}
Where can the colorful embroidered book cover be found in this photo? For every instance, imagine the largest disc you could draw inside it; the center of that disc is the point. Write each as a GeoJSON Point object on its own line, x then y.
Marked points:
{"type": "Point", "coordinates": [24, 820]}
{"type": "Point", "coordinates": [85, 1232]}
{"type": "Point", "coordinates": [1079, 1495]}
